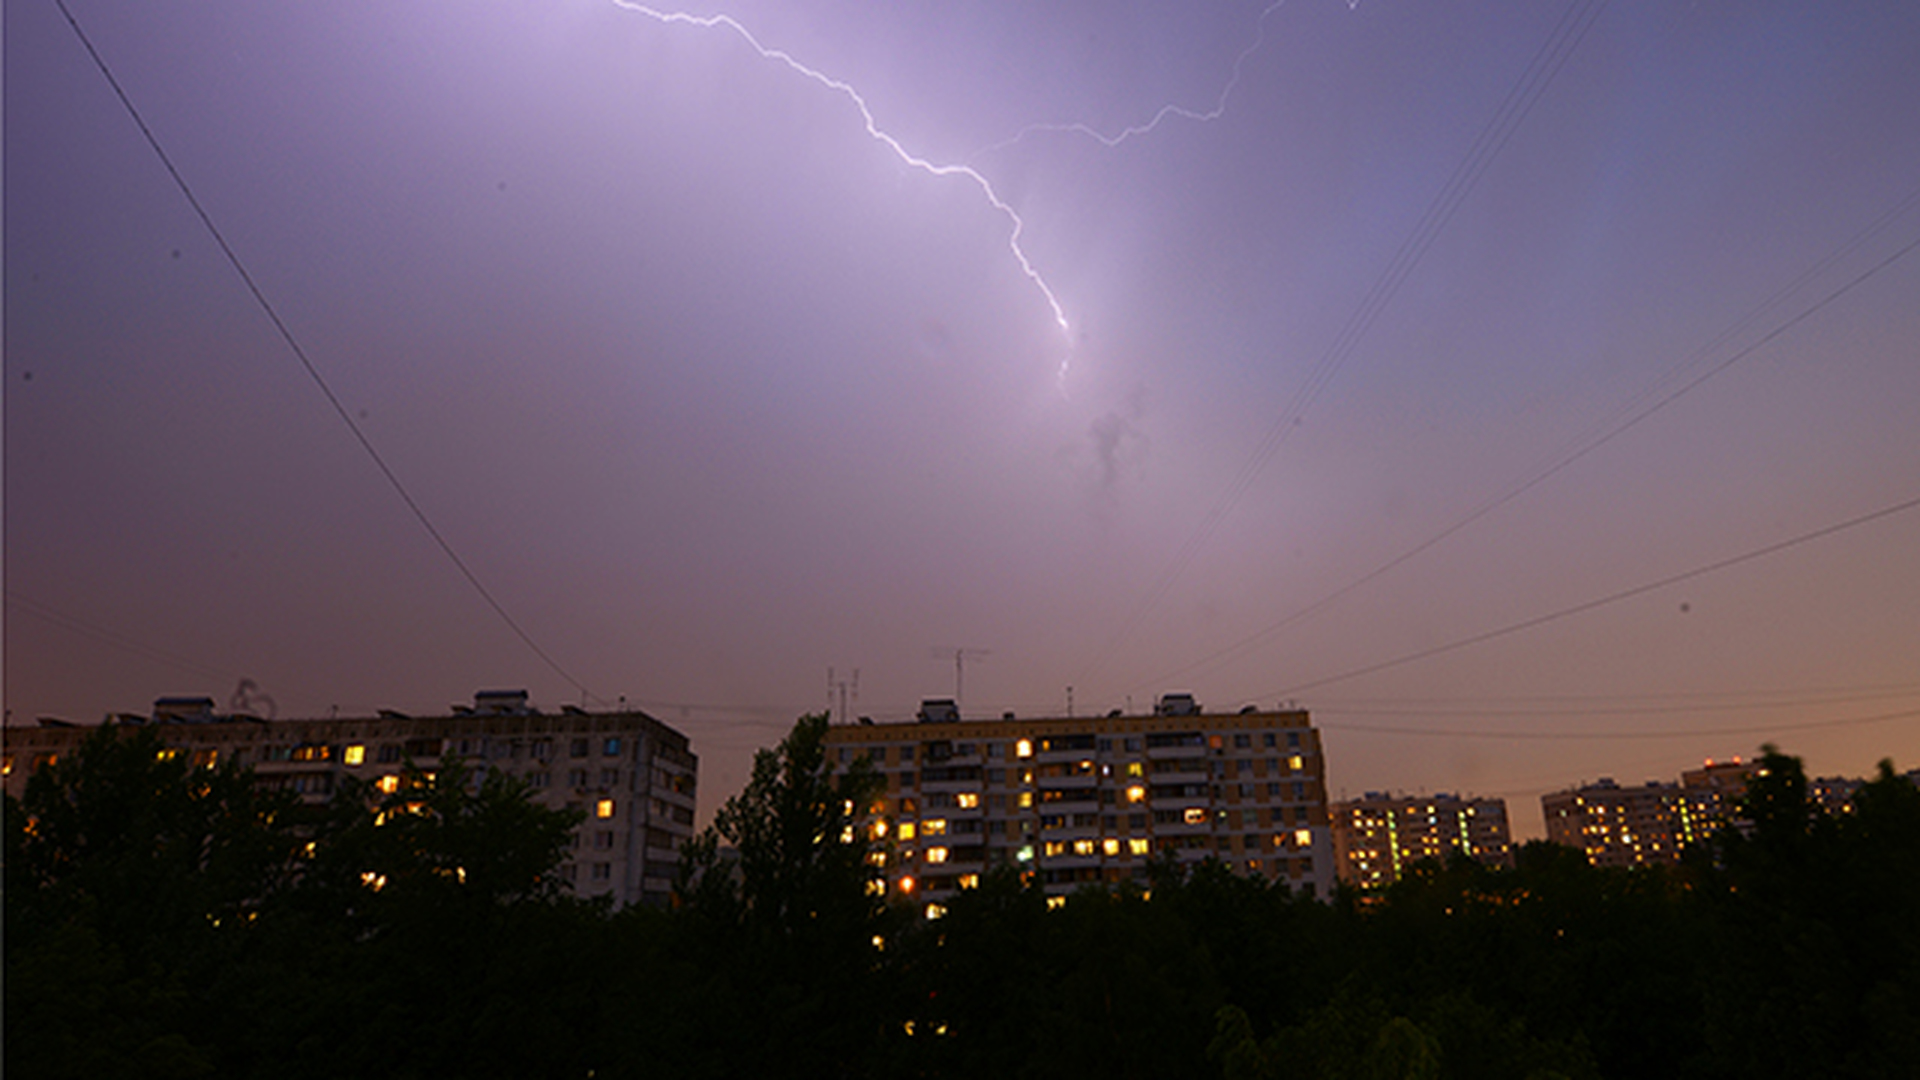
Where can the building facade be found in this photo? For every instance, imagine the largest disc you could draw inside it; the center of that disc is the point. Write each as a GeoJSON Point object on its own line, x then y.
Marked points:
{"type": "Point", "coordinates": [1377, 837]}
{"type": "Point", "coordinates": [1093, 800]}
{"type": "Point", "coordinates": [632, 776]}
{"type": "Point", "coordinates": [1647, 825]}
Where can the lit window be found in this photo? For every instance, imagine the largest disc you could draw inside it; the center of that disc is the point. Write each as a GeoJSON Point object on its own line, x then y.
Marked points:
{"type": "Point", "coordinates": [1110, 846]}
{"type": "Point", "coordinates": [906, 884]}
{"type": "Point", "coordinates": [1196, 815]}
{"type": "Point", "coordinates": [1137, 845]}
{"type": "Point", "coordinates": [1136, 768]}
{"type": "Point", "coordinates": [1302, 838]}
{"type": "Point", "coordinates": [907, 830]}
{"type": "Point", "coordinates": [936, 827]}
{"type": "Point", "coordinates": [1026, 800]}
{"type": "Point", "coordinates": [168, 754]}
{"type": "Point", "coordinates": [355, 754]}
{"type": "Point", "coordinates": [1023, 748]}
{"type": "Point", "coordinates": [879, 829]}
{"type": "Point", "coordinates": [936, 911]}
{"type": "Point", "coordinates": [936, 854]}
{"type": "Point", "coordinates": [603, 808]}
{"type": "Point", "coordinates": [1083, 847]}
{"type": "Point", "coordinates": [1137, 793]}
{"type": "Point", "coordinates": [1025, 854]}
{"type": "Point", "coordinates": [1051, 848]}
{"type": "Point", "coordinates": [876, 887]}
{"type": "Point", "coordinates": [1054, 903]}
{"type": "Point", "coordinates": [388, 784]}
{"type": "Point", "coordinates": [1294, 763]}
{"type": "Point", "coordinates": [969, 881]}
{"type": "Point", "coordinates": [876, 858]}
{"type": "Point", "coordinates": [373, 881]}
{"type": "Point", "coordinates": [967, 800]}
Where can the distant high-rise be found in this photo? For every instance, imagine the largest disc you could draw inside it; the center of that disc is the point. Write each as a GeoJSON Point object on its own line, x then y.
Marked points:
{"type": "Point", "coordinates": [1650, 824]}
{"type": "Point", "coordinates": [1090, 800]}
{"type": "Point", "coordinates": [1377, 837]}
{"type": "Point", "coordinates": [632, 776]}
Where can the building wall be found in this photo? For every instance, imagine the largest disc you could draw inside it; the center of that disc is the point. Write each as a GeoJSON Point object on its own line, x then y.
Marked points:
{"type": "Point", "coordinates": [1085, 800]}
{"type": "Point", "coordinates": [634, 777]}
{"type": "Point", "coordinates": [1375, 838]}
{"type": "Point", "coordinates": [1647, 825]}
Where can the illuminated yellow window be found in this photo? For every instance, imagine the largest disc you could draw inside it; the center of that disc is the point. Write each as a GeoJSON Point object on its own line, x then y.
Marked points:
{"type": "Point", "coordinates": [906, 883]}
{"type": "Point", "coordinates": [1083, 847]}
{"type": "Point", "coordinates": [1136, 768]}
{"type": "Point", "coordinates": [1110, 846]}
{"type": "Point", "coordinates": [1023, 748]}
{"type": "Point", "coordinates": [1026, 800]}
{"type": "Point", "coordinates": [967, 800]}
{"type": "Point", "coordinates": [1137, 793]}
{"type": "Point", "coordinates": [6, 766]}
{"type": "Point", "coordinates": [1294, 763]}
{"type": "Point", "coordinates": [936, 854]}
{"type": "Point", "coordinates": [1302, 838]}
{"type": "Point", "coordinates": [907, 830]}
{"type": "Point", "coordinates": [969, 881]}
{"type": "Point", "coordinates": [1054, 847]}
{"type": "Point", "coordinates": [936, 827]}
{"type": "Point", "coordinates": [879, 830]}
{"type": "Point", "coordinates": [936, 911]}
{"type": "Point", "coordinates": [168, 754]}
{"type": "Point", "coordinates": [1137, 845]}
{"type": "Point", "coordinates": [877, 858]}
{"type": "Point", "coordinates": [388, 783]}
{"type": "Point", "coordinates": [1195, 815]}
{"type": "Point", "coordinates": [1054, 903]}
{"type": "Point", "coordinates": [354, 755]}
{"type": "Point", "coordinates": [603, 808]}
{"type": "Point", "coordinates": [1025, 854]}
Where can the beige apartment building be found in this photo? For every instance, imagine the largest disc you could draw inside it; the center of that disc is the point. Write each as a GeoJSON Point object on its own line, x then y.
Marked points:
{"type": "Point", "coordinates": [632, 776]}
{"type": "Point", "coordinates": [1079, 801]}
{"type": "Point", "coordinates": [1378, 836]}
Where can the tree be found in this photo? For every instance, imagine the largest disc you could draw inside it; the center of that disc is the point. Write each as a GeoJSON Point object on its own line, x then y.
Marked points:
{"type": "Point", "coordinates": [132, 880]}
{"type": "Point", "coordinates": [784, 924]}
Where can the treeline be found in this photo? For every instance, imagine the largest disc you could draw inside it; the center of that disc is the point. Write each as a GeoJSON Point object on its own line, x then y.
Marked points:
{"type": "Point", "coordinates": [168, 922]}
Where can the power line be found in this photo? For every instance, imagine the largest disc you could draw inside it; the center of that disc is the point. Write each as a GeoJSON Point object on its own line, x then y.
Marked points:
{"type": "Point", "coordinates": [1594, 441]}
{"type": "Point", "coordinates": [1611, 598]}
{"type": "Point", "coordinates": [300, 353]}
{"type": "Point", "coordinates": [1585, 736]}
{"type": "Point", "coordinates": [1493, 137]}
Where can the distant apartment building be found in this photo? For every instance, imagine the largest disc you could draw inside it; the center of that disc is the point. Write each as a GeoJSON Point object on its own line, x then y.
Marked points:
{"type": "Point", "coordinates": [632, 776]}
{"type": "Point", "coordinates": [1377, 837]}
{"type": "Point", "coordinates": [1647, 825]}
{"type": "Point", "coordinates": [1081, 801]}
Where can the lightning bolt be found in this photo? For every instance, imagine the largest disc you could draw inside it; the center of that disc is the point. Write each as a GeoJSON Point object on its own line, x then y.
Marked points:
{"type": "Point", "coordinates": [1169, 110]}
{"type": "Point", "coordinates": [878, 134]}
{"type": "Point", "coordinates": [979, 180]}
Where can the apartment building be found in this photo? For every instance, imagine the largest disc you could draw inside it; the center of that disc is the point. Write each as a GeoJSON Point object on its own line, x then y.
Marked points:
{"type": "Point", "coordinates": [1378, 836]}
{"type": "Point", "coordinates": [1093, 800]}
{"type": "Point", "coordinates": [632, 776]}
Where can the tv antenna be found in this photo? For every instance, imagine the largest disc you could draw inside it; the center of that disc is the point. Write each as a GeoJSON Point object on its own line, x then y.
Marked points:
{"type": "Point", "coordinates": [960, 654]}
{"type": "Point", "coordinates": [841, 688]}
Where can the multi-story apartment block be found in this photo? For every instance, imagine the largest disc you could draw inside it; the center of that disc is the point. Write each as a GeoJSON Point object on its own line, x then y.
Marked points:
{"type": "Point", "coordinates": [1093, 800]}
{"type": "Point", "coordinates": [1376, 837]}
{"type": "Point", "coordinates": [1616, 826]}
{"type": "Point", "coordinates": [1651, 824]}
{"type": "Point", "coordinates": [633, 777]}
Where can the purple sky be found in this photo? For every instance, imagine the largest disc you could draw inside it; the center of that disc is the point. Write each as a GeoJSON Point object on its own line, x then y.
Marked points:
{"type": "Point", "coordinates": [712, 390]}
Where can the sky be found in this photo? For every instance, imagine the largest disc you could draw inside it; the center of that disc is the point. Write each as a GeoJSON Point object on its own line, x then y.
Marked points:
{"type": "Point", "coordinates": [1531, 391]}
